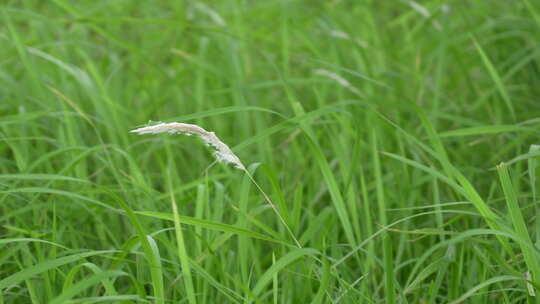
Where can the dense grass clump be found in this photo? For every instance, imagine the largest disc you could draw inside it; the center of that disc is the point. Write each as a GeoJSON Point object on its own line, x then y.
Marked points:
{"type": "Point", "coordinates": [390, 148]}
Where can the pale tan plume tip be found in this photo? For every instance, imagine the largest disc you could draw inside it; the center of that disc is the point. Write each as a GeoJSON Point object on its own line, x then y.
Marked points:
{"type": "Point", "coordinates": [222, 152]}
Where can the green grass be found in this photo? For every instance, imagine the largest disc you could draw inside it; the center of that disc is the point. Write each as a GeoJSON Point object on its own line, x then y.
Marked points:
{"type": "Point", "coordinates": [404, 172]}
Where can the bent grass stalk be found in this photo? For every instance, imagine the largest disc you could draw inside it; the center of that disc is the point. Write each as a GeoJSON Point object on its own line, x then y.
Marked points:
{"type": "Point", "coordinates": [222, 152]}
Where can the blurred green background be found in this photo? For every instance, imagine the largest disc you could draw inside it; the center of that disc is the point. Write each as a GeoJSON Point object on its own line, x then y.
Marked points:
{"type": "Point", "coordinates": [373, 127]}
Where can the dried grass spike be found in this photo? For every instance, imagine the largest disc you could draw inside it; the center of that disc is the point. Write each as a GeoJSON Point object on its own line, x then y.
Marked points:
{"type": "Point", "coordinates": [340, 80]}
{"type": "Point", "coordinates": [222, 152]}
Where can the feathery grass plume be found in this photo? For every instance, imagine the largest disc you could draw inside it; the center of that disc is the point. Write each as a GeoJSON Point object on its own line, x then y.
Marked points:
{"type": "Point", "coordinates": [340, 80]}
{"type": "Point", "coordinates": [342, 35]}
{"type": "Point", "coordinates": [222, 152]}
{"type": "Point", "coordinates": [422, 10]}
{"type": "Point", "coordinates": [216, 18]}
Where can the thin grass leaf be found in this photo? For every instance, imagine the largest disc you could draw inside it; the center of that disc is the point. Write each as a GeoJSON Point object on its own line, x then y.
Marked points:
{"type": "Point", "coordinates": [151, 253]}
{"type": "Point", "coordinates": [496, 78]}
{"type": "Point", "coordinates": [24, 240]}
{"type": "Point", "coordinates": [28, 272]}
{"type": "Point", "coordinates": [389, 286]}
{"type": "Point", "coordinates": [330, 180]}
{"type": "Point", "coordinates": [280, 264]}
{"type": "Point", "coordinates": [209, 225]}
{"type": "Point", "coordinates": [41, 176]}
{"type": "Point", "coordinates": [424, 274]}
{"type": "Point", "coordinates": [326, 278]}
{"type": "Point", "coordinates": [111, 299]}
{"type": "Point", "coordinates": [182, 252]}
{"type": "Point", "coordinates": [486, 283]}
{"type": "Point", "coordinates": [468, 190]}
{"type": "Point", "coordinates": [85, 284]}
{"type": "Point", "coordinates": [70, 277]}
{"type": "Point", "coordinates": [485, 130]}
{"type": "Point", "coordinates": [518, 222]}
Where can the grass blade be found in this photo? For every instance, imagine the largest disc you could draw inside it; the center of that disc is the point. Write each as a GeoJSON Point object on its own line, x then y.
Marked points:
{"type": "Point", "coordinates": [84, 284]}
{"type": "Point", "coordinates": [518, 222]}
{"type": "Point", "coordinates": [279, 265]}
{"type": "Point", "coordinates": [47, 265]}
{"type": "Point", "coordinates": [496, 79]}
{"type": "Point", "coordinates": [182, 253]}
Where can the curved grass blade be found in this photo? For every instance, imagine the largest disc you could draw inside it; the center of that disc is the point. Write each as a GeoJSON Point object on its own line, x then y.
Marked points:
{"type": "Point", "coordinates": [210, 225]}
{"type": "Point", "coordinates": [279, 265]}
{"type": "Point", "coordinates": [85, 284]}
{"type": "Point", "coordinates": [47, 265]}
{"type": "Point", "coordinates": [485, 130]}
{"type": "Point", "coordinates": [182, 252]}
{"type": "Point", "coordinates": [518, 222]}
{"type": "Point", "coordinates": [486, 283]}
{"type": "Point", "coordinates": [16, 240]}
{"type": "Point", "coordinates": [150, 254]}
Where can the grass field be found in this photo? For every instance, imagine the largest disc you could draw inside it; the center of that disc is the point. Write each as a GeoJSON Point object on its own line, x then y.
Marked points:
{"type": "Point", "coordinates": [392, 146]}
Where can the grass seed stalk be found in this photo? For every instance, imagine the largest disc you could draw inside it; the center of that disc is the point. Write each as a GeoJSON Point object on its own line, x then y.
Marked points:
{"type": "Point", "coordinates": [222, 153]}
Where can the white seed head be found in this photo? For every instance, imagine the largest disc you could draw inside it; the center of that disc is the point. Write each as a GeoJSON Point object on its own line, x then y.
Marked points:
{"type": "Point", "coordinates": [222, 152]}
{"type": "Point", "coordinates": [340, 80]}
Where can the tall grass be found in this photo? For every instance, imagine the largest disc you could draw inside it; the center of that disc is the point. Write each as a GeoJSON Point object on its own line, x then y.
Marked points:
{"type": "Point", "coordinates": [394, 145]}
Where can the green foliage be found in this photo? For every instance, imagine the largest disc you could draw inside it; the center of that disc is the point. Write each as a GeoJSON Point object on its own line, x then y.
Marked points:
{"type": "Point", "coordinates": [392, 146]}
